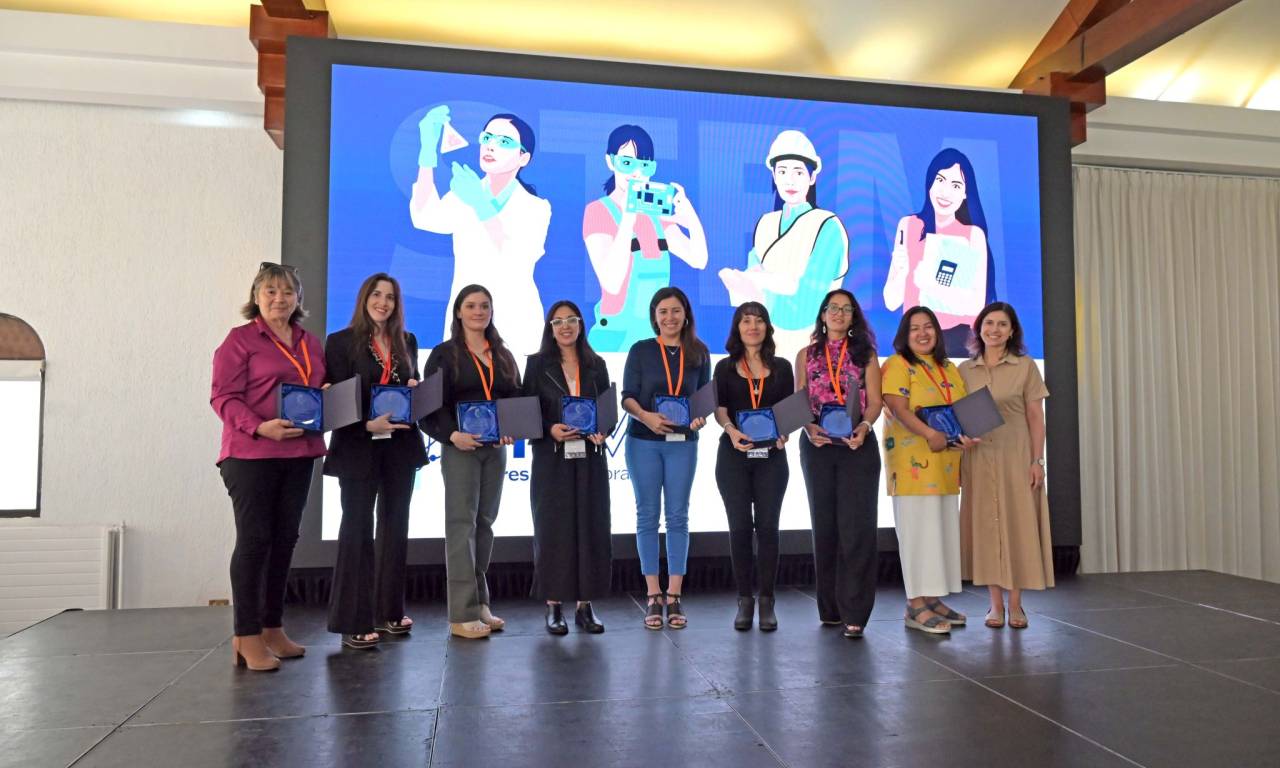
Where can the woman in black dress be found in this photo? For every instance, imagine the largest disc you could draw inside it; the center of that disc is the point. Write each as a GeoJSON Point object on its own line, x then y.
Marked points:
{"type": "Point", "coordinates": [569, 485]}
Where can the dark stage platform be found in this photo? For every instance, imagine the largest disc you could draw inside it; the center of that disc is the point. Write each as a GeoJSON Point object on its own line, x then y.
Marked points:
{"type": "Point", "coordinates": [1151, 669]}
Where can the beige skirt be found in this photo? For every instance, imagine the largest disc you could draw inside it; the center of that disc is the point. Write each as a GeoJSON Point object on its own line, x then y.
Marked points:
{"type": "Point", "coordinates": [928, 544]}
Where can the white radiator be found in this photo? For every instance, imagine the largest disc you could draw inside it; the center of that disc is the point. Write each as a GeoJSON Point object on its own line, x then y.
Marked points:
{"type": "Point", "coordinates": [46, 569]}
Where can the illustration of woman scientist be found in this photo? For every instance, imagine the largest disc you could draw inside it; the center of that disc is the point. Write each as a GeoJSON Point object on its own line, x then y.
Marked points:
{"type": "Point", "coordinates": [630, 235]}
{"type": "Point", "coordinates": [800, 251]}
{"type": "Point", "coordinates": [499, 226]}
{"type": "Point", "coordinates": [941, 258]}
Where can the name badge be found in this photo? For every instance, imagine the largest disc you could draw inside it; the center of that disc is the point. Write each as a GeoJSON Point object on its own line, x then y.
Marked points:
{"type": "Point", "coordinates": [758, 453]}
{"type": "Point", "coordinates": [575, 449]}
{"type": "Point", "coordinates": [675, 437]}
{"type": "Point", "coordinates": [386, 436]}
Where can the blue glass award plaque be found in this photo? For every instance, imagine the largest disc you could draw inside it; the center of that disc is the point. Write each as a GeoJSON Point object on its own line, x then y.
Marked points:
{"type": "Point", "coordinates": [674, 408]}
{"type": "Point", "coordinates": [303, 406]}
{"type": "Point", "coordinates": [394, 400]}
{"type": "Point", "coordinates": [943, 419]}
{"type": "Point", "coordinates": [479, 417]}
{"type": "Point", "coordinates": [759, 425]}
{"type": "Point", "coordinates": [579, 413]}
{"type": "Point", "coordinates": [836, 421]}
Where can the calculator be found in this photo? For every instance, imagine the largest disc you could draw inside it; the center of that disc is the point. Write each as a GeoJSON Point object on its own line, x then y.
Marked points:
{"type": "Point", "coordinates": [946, 272]}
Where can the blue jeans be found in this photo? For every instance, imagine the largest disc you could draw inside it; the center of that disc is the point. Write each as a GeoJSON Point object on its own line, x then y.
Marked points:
{"type": "Point", "coordinates": [659, 468]}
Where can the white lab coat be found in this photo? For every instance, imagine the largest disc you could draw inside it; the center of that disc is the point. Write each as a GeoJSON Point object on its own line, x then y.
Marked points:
{"type": "Point", "coordinates": [506, 272]}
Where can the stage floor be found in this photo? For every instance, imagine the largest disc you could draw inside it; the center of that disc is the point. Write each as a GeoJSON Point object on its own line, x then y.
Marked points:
{"type": "Point", "coordinates": [1151, 669]}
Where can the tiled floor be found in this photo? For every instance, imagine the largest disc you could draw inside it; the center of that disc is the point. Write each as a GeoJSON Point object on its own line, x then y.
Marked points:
{"type": "Point", "coordinates": [1152, 669]}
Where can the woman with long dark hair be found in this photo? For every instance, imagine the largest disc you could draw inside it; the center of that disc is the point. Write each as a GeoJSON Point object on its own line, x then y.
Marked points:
{"type": "Point", "coordinates": [476, 365]}
{"type": "Point", "coordinates": [752, 479]}
{"type": "Point", "coordinates": [842, 473]}
{"type": "Point", "coordinates": [1005, 541]}
{"type": "Point", "coordinates": [375, 462]}
{"type": "Point", "coordinates": [941, 256]}
{"type": "Point", "coordinates": [266, 462]}
{"type": "Point", "coordinates": [569, 484]}
{"type": "Point", "coordinates": [924, 470]}
{"type": "Point", "coordinates": [661, 456]}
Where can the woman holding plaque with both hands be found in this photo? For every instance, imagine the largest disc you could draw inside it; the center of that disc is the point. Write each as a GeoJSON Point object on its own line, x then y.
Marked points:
{"type": "Point", "coordinates": [924, 470]}
{"type": "Point", "coordinates": [569, 484]}
{"type": "Point", "coordinates": [477, 369]}
{"type": "Point", "coordinates": [265, 461]}
{"type": "Point", "coordinates": [751, 462]}
{"type": "Point", "coordinates": [662, 454]}
{"type": "Point", "coordinates": [839, 369]}
{"type": "Point", "coordinates": [375, 462]}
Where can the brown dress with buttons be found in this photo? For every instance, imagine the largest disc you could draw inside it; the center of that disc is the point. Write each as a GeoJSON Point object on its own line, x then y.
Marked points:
{"type": "Point", "coordinates": [1004, 523]}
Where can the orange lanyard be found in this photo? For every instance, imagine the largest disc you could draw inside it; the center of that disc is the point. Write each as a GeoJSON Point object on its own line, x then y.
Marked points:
{"type": "Point", "coordinates": [835, 382]}
{"type": "Point", "coordinates": [945, 389]}
{"type": "Point", "coordinates": [756, 395]}
{"type": "Point", "coordinates": [662, 352]}
{"type": "Point", "coordinates": [488, 385]}
{"type": "Point", "coordinates": [306, 355]}
{"type": "Point", "coordinates": [385, 359]}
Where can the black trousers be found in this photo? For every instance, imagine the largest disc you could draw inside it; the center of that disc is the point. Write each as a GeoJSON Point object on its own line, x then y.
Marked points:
{"type": "Point", "coordinates": [267, 496]}
{"type": "Point", "coordinates": [368, 578]}
{"type": "Point", "coordinates": [572, 547]}
{"type": "Point", "coordinates": [842, 507]}
{"type": "Point", "coordinates": [752, 490]}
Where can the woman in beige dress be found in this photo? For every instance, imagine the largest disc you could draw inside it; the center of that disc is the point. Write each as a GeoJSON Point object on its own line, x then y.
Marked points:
{"type": "Point", "coordinates": [1004, 513]}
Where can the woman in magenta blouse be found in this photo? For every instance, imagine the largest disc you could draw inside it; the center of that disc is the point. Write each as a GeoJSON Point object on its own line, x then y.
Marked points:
{"type": "Point", "coordinates": [266, 462]}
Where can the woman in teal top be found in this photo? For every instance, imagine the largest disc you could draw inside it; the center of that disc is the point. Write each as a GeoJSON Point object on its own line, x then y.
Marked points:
{"type": "Point", "coordinates": [800, 251]}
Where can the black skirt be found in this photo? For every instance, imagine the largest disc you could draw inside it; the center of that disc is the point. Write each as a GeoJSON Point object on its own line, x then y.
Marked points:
{"type": "Point", "coordinates": [572, 551]}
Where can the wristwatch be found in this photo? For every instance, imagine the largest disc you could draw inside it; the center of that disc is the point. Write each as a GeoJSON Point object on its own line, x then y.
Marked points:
{"type": "Point", "coordinates": [1039, 461]}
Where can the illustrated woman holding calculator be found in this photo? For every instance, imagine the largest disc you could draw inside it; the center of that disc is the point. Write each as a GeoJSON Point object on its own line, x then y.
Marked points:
{"type": "Point", "coordinates": [840, 371]}
{"type": "Point", "coordinates": [660, 377]}
{"type": "Point", "coordinates": [751, 462]}
{"type": "Point", "coordinates": [266, 461]}
{"type": "Point", "coordinates": [375, 462]}
{"type": "Point", "coordinates": [569, 484]}
{"type": "Point", "coordinates": [477, 369]}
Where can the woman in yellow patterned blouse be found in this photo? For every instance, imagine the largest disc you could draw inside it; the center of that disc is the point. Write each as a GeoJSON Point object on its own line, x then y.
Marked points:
{"type": "Point", "coordinates": [923, 470]}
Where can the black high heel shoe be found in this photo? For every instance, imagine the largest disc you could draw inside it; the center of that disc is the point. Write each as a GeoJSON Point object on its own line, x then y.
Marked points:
{"type": "Point", "coordinates": [768, 619]}
{"type": "Point", "coordinates": [586, 618]}
{"type": "Point", "coordinates": [555, 620]}
{"type": "Point", "coordinates": [746, 613]}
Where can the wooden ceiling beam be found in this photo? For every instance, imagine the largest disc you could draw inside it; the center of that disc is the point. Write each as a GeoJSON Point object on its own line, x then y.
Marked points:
{"type": "Point", "coordinates": [270, 26]}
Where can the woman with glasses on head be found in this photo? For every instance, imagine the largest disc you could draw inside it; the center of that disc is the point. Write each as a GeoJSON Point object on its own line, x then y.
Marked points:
{"type": "Point", "coordinates": [375, 462]}
{"type": "Point", "coordinates": [924, 470]}
{"type": "Point", "coordinates": [841, 473]}
{"type": "Point", "coordinates": [266, 462]}
{"type": "Point", "coordinates": [499, 225]}
{"type": "Point", "coordinates": [631, 245]}
{"type": "Point", "coordinates": [662, 455]}
{"type": "Point", "coordinates": [1005, 540]}
{"type": "Point", "coordinates": [475, 366]}
{"type": "Point", "coordinates": [752, 478]}
{"type": "Point", "coordinates": [569, 484]}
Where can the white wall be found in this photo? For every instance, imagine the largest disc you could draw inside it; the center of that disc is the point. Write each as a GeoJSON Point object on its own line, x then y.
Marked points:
{"type": "Point", "coordinates": [127, 240]}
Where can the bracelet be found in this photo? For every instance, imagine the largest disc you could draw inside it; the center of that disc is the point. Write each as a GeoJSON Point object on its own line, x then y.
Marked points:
{"type": "Point", "coordinates": [869, 425]}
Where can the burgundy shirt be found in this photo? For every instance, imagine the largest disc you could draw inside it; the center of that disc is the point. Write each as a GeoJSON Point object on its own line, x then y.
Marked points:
{"type": "Point", "coordinates": [247, 368]}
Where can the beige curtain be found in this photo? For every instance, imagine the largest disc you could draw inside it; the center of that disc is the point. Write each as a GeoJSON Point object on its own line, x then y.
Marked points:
{"type": "Point", "coordinates": [1178, 285]}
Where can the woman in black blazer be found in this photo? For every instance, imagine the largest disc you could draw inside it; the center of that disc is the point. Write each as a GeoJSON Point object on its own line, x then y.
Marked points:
{"type": "Point", "coordinates": [569, 485]}
{"type": "Point", "coordinates": [375, 462]}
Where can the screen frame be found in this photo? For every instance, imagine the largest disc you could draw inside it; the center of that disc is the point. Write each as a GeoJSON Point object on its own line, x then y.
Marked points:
{"type": "Point", "coordinates": [305, 228]}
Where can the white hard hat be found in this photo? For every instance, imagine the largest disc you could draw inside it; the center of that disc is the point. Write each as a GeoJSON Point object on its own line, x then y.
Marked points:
{"type": "Point", "coordinates": [792, 143]}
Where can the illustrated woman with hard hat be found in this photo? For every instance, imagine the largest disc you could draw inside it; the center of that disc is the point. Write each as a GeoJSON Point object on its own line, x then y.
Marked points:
{"type": "Point", "coordinates": [800, 251]}
{"type": "Point", "coordinates": [631, 250]}
{"type": "Point", "coordinates": [941, 257]}
{"type": "Point", "coordinates": [499, 226]}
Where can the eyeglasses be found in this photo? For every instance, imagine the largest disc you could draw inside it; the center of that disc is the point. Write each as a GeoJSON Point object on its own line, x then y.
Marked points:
{"type": "Point", "coordinates": [272, 265]}
{"type": "Point", "coordinates": [505, 142]}
{"type": "Point", "coordinates": [628, 164]}
{"type": "Point", "coordinates": [839, 310]}
{"type": "Point", "coordinates": [572, 322]}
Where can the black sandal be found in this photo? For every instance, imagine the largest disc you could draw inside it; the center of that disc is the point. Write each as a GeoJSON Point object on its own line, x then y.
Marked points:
{"type": "Point", "coordinates": [675, 614]}
{"type": "Point", "coordinates": [359, 642]}
{"type": "Point", "coordinates": [654, 610]}
{"type": "Point", "coordinates": [401, 627]}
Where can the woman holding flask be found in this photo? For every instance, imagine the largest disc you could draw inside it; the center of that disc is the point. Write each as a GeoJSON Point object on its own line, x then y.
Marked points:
{"type": "Point", "coordinates": [569, 484]}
